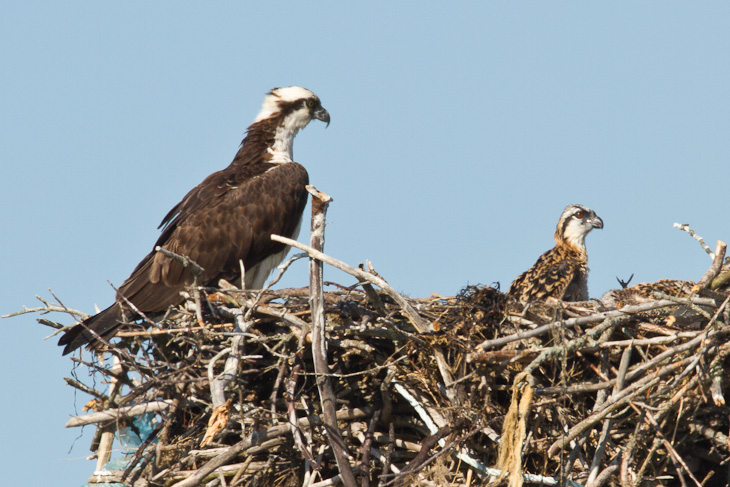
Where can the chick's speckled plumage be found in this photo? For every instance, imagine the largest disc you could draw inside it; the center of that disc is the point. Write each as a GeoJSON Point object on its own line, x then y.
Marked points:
{"type": "Point", "coordinates": [561, 272]}
{"type": "Point", "coordinates": [644, 292]}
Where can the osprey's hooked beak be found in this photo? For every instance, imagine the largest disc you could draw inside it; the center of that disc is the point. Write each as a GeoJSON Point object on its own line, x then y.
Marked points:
{"type": "Point", "coordinates": [323, 115]}
{"type": "Point", "coordinates": [596, 222]}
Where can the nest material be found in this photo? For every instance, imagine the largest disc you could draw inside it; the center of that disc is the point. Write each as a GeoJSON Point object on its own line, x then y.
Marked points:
{"type": "Point", "coordinates": [577, 393]}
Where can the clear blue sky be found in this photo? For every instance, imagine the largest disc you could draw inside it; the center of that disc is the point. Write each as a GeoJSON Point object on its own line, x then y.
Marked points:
{"type": "Point", "coordinates": [459, 132]}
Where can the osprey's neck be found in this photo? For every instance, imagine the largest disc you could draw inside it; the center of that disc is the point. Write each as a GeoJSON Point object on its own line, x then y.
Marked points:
{"type": "Point", "coordinates": [282, 149]}
{"type": "Point", "coordinates": [269, 141]}
{"type": "Point", "coordinates": [574, 241]}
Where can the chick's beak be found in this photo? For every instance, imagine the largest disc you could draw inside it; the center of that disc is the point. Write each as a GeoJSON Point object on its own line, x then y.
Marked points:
{"type": "Point", "coordinates": [596, 222]}
{"type": "Point", "coordinates": [323, 115]}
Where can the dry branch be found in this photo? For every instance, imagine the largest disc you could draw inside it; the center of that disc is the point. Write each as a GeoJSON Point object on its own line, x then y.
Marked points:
{"type": "Point", "coordinates": [119, 413]}
{"type": "Point", "coordinates": [320, 202]}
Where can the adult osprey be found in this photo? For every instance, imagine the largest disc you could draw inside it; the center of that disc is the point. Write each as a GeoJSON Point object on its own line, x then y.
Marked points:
{"type": "Point", "coordinates": [227, 218]}
{"type": "Point", "coordinates": [561, 272]}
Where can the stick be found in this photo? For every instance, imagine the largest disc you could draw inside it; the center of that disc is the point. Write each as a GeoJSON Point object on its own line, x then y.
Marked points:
{"type": "Point", "coordinates": [685, 228]}
{"type": "Point", "coordinates": [714, 269]}
{"type": "Point", "coordinates": [114, 414]}
{"type": "Point", "coordinates": [320, 202]}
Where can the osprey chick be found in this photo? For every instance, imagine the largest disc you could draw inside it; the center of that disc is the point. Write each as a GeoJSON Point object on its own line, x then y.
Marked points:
{"type": "Point", "coordinates": [561, 272]}
{"type": "Point", "coordinates": [227, 218]}
{"type": "Point", "coordinates": [644, 292]}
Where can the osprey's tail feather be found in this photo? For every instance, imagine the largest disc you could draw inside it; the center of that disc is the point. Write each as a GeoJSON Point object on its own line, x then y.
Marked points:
{"type": "Point", "coordinates": [103, 324]}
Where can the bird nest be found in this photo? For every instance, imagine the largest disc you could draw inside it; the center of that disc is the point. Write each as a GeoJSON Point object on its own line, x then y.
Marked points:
{"type": "Point", "coordinates": [466, 390]}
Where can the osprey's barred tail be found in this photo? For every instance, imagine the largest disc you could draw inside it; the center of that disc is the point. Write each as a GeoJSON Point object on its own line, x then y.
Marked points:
{"type": "Point", "coordinates": [103, 324]}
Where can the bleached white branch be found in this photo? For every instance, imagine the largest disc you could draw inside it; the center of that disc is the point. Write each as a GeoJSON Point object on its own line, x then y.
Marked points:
{"type": "Point", "coordinates": [328, 399]}
{"type": "Point", "coordinates": [686, 228]}
{"type": "Point", "coordinates": [114, 414]}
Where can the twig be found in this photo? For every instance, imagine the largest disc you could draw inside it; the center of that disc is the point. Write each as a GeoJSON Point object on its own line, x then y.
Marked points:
{"type": "Point", "coordinates": [84, 388]}
{"type": "Point", "coordinates": [719, 439]}
{"type": "Point", "coordinates": [370, 292]}
{"type": "Point", "coordinates": [277, 313]}
{"type": "Point", "coordinates": [387, 461]}
{"type": "Point", "coordinates": [686, 228]}
{"type": "Point", "coordinates": [183, 260]}
{"type": "Point", "coordinates": [720, 280]}
{"type": "Point", "coordinates": [594, 418]}
{"type": "Point", "coordinates": [561, 350]}
{"type": "Point", "coordinates": [48, 308]}
{"type": "Point", "coordinates": [172, 331]}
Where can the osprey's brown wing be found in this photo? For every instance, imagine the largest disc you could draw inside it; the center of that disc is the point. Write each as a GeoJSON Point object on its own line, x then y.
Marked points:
{"type": "Point", "coordinates": [549, 277]}
{"type": "Point", "coordinates": [229, 217]}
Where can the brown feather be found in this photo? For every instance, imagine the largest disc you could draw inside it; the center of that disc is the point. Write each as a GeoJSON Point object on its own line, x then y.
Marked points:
{"type": "Point", "coordinates": [560, 273]}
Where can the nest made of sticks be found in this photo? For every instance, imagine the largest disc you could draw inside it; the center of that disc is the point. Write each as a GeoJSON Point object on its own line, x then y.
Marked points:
{"type": "Point", "coordinates": [363, 386]}
{"type": "Point", "coordinates": [226, 393]}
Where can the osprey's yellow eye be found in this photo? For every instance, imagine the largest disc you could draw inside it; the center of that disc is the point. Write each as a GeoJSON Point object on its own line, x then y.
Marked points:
{"type": "Point", "coordinates": [310, 103]}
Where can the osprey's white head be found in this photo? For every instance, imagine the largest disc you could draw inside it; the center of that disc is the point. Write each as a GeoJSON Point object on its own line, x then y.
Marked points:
{"type": "Point", "coordinates": [575, 223]}
{"type": "Point", "coordinates": [290, 109]}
